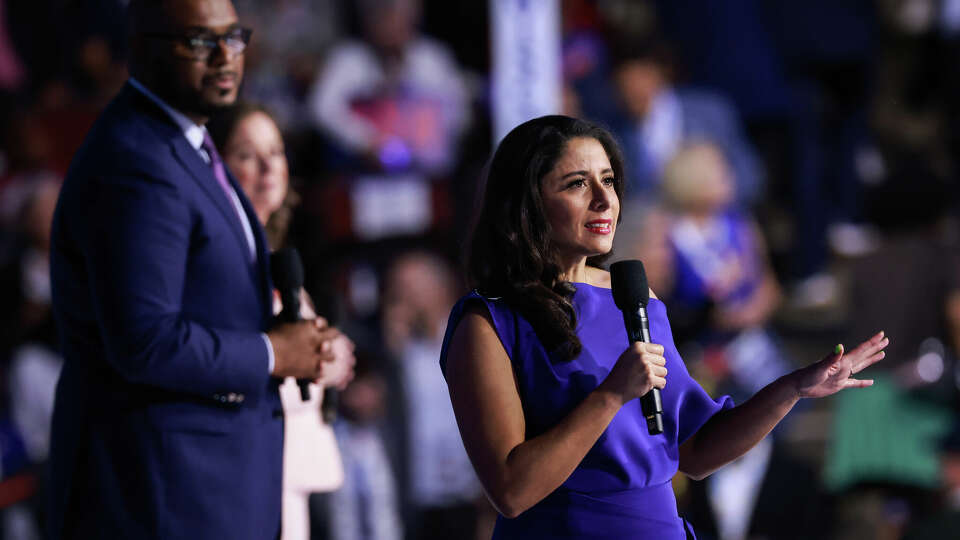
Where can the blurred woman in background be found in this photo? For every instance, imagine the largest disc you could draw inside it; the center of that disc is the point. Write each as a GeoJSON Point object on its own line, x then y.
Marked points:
{"type": "Point", "coordinates": [720, 272]}
{"type": "Point", "coordinates": [253, 151]}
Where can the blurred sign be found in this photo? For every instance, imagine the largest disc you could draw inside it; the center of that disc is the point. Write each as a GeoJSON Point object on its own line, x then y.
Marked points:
{"type": "Point", "coordinates": [527, 80]}
{"type": "Point", "coordinates": [390, 206]}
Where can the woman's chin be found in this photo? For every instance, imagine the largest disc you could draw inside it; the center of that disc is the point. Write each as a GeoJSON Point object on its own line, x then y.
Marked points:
{"type": "Point", "coordinates": [264, 211]}
{"type": "Point", "coordinates": [601, 249]}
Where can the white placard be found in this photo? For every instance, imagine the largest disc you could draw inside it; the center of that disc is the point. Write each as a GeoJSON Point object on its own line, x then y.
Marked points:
{"type": "Point", "coordinates": [390, 206]}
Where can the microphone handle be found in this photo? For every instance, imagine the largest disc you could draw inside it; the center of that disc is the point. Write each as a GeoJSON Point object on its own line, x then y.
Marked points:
{"type": "Point", "coordinates": [331, 402]}
{"type": "Point", "coordinates": [638, 329]}
{"type": "Point", "coordinates": [304, 385]}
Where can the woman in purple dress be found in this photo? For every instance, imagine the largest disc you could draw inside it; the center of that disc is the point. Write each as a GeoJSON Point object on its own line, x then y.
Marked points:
{"type": "Point", "coordinates": [542, 377]}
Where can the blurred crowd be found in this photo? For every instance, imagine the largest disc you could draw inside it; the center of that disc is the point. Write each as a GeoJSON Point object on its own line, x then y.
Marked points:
{"type": "Point", "coordinates": [792, 182]}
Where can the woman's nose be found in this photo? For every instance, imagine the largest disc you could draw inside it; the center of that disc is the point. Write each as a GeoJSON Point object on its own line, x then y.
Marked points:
{"type": "Point", "coordinates": [601, 196]}
{"type": "Point", "coordinates": [266, 164]}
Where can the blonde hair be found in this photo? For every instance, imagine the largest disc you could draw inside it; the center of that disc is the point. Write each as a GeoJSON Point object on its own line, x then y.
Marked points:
{"type": "Point", "coordinates": [684, 175]}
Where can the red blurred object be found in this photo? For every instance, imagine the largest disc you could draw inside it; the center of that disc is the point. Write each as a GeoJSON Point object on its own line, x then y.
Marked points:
{"type": "Point", "coordinates": [17, 488]}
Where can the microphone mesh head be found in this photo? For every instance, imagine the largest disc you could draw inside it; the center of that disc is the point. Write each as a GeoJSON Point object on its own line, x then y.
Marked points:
{"type": "Point", "coordinates": [628, 280]}
{"type": "Point", "coordinates": [286, 269]}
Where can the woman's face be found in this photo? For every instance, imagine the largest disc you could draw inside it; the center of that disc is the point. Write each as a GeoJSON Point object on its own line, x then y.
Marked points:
{"type": "Point", "coordinates": [580, 201]}
{"type": "Point", "coordinates": [639, 82]}
{"type": "Point", "coordinates": [718, 190]}
{"type": "Point", "coordinates": [254, 153]}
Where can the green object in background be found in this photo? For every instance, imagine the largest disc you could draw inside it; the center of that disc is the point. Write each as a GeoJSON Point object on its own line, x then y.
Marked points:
{"type": "Point", "coordinates": [881, 434]}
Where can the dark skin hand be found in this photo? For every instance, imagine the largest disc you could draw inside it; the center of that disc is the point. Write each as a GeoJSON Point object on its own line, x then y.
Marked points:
{"type": "Point", "coordinates": [302, 348]}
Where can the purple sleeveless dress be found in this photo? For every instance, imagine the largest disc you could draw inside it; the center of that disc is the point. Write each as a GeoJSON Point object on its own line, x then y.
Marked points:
{"type": "Point", "coordinates": [622, 487]}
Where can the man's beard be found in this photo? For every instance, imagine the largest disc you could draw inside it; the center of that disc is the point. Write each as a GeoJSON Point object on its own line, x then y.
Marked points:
{"type": "Point", "coordinates": [195, 104]}
{"type": "Point", "coordinates": [204, 108]}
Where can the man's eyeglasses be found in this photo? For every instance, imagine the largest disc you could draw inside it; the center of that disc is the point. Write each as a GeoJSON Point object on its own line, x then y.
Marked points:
{"type": "Point", "coordinates": [201, 46]}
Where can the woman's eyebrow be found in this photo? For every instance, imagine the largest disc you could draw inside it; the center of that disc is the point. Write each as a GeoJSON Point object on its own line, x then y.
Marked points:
{"type": "Point", "coordinates": [584, 173]}
{"type": "Point", "coordinates": [574, 173]}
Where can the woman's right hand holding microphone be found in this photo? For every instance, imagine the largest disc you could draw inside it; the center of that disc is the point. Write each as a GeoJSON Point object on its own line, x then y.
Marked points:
{"type": "Point", "coordinates": [639, 369]}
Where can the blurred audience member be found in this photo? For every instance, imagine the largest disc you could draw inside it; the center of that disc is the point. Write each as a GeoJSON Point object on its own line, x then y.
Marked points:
{"type": "Point", "coordinates": [25, 276]}
{"type": "Point", "coordinates": [290, 35]}
{"type": "Point", "coordinates": [35, 360]}
{"type": "Point", "coordinates": [64, 97]}
{"type": "Point", "coordinates": [367, 506]}
{"type": "Point", "coordinates": [918, 249]}
{"type": "Point", "coordinates": [395, 99]}
{"type": "Point", "coordinates": [441, 487]}
{"type": "Point", "coordinates": [882, 455]}
{"type": "Point", "coordinates": [764, 494]}
{"type": "Point", "coordinates": [728, 47]}
{"type": "Point", "coordinates": [28, 153]}
{"type": "Point", "coordinates": [253, 151]}
{"type": "Point", "coordinates": [723, 292]}
{"type": "Point", "coordinates": [944, 521]}
{"type": "Point", "coordinates": [19, 504]}
{"type": "Point", "coordinates": [707, 259]}
{"type": "Point", "coordinates": [661, 118]}
{"type": "Point", "coordinates": [36, 220]}
{"type": "Point", "coordinates": [586, 63]}
{"type": "Point", "coordinates": [12, 72]}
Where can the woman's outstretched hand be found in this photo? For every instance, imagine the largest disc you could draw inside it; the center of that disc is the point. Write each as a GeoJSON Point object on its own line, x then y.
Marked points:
{"type": "Point", "coordinates": [835, 372]}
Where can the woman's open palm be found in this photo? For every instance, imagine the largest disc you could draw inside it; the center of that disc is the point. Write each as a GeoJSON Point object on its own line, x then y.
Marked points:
{"type": "Point", "coordinates": [835, 371]}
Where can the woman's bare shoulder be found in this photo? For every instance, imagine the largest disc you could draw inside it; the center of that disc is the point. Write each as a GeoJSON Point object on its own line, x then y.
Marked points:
{"type": "Point", "coordinates": [475, 328]}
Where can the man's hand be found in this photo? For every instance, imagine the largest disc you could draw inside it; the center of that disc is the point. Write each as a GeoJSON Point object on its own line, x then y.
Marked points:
{"type": "Point", "coordinates": [301, 348]}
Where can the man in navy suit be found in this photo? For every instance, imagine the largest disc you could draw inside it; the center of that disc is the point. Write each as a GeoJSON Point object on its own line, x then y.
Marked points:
{"type": "Point", "coordinates": [167, 421]}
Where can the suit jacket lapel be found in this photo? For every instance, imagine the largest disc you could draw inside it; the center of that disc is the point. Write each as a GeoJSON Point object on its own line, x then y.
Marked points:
{"type": "Point", "coordinates": [203, 175]}
{"type": "Point", "coordinates": [262, 264]}
{"type": "Point", "coordinates": [188, 157]}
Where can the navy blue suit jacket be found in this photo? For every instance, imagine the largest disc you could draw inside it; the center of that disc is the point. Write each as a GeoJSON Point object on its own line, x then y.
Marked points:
{"type": "Point", "coordinates": [166, 423]}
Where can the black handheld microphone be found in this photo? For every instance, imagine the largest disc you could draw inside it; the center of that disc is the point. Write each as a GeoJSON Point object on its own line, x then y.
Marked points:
{"type": "Point", "coordinates": [287, 272]}
{"type": "Point", "coordinates": [631, 293]}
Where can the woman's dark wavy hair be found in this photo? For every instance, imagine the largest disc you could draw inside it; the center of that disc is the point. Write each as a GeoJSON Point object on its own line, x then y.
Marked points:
{"type": "Point", "coordinates": [509, 254]}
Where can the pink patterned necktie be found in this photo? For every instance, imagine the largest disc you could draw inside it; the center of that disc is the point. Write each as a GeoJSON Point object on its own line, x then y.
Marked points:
{"type": "Point", "coordinates": [220, 173]}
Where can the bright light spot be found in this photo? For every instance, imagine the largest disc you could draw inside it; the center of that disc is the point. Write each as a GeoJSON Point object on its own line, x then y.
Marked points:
{"type": "Point", "coordinates": [930, 367]}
